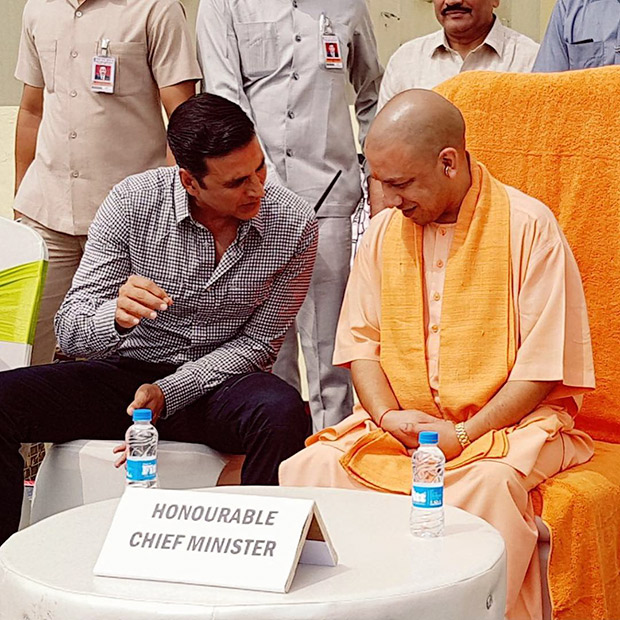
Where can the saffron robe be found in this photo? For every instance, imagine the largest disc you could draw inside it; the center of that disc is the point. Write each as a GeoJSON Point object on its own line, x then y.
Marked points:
{"type": "Point", "coordinates": [553, 344]}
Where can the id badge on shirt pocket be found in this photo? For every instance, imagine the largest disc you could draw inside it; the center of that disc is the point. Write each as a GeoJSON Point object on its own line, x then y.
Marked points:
{"type": "Point", "coordinates": [103, 73]}
{"type": "Point", "coordinates": [103, 70]}
{"type": "Point", "coordinates": [330, 53]}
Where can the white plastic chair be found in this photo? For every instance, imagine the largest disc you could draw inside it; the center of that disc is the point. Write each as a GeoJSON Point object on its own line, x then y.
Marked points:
{"type": "Point", "coordinates": [79, 472]}
{"type": "Point", "coordinates": [23, 265]}
{"type": "Point", "coordinates": [82, 472]}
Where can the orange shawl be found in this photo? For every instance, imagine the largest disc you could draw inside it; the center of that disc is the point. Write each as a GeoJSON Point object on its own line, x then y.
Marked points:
{"type": "Point", "coordinates": [478, 347]}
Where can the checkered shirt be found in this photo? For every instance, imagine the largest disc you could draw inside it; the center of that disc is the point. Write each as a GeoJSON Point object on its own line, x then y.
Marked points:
{"type": "Point", "coordinates": [226, 320]}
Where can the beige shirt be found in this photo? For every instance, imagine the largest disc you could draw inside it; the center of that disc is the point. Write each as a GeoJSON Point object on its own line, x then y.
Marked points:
{"type": "Point", "coordinates": [90, 141]}
{"type": "Point", "coordinates": [427, 61]}
{"type": "Point", "coordinates": [553, 335]}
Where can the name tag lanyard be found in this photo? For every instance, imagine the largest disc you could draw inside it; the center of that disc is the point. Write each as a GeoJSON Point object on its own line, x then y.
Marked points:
{"type": "Point", "coordinates": [329, 53]}
{"type": "Point", "coordinates": [103, 69]}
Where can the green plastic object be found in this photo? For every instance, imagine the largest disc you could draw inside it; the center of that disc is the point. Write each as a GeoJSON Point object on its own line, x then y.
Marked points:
{"type": "Point", "coordinates": [20, 297]}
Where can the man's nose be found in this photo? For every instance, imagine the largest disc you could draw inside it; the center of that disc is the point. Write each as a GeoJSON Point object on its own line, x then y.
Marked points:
{"type": "Point", "coordinates": [256, 187]}
{"type": "Point", "coordinates": [392, 198]}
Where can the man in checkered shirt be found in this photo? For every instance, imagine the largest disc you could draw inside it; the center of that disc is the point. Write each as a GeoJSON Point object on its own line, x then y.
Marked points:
{"type": "Point", "coordinates": [190, 279]}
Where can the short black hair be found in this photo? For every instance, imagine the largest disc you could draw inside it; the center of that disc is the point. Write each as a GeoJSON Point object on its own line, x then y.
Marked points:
{"type": "Point", "coordinates": [207, 125]}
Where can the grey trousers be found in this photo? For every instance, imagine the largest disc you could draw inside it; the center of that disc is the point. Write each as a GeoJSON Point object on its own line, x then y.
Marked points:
{"type": "Point", "coordinates": [331, 395]}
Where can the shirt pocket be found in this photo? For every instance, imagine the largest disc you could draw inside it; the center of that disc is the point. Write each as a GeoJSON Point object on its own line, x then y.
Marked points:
{"type": "Point", "coordinates": [258, 48]}
{"type": "Point", "coordinates": [240, 302]}
{"type": "Point", "coordinates": [585, 55]}
{"type": "Point", "coordinates": [131, 67]}
{"type": "Point", "coordinates": [47, 51]}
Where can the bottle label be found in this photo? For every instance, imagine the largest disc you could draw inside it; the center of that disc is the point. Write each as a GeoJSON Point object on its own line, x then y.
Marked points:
{"type": "Point", "coordinates": [427, 495]}
{"type": "Point", "coordinates": [141, 468]}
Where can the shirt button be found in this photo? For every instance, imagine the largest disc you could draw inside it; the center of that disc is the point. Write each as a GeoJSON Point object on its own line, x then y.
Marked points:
{"type": "Point", "coordinates": [78, 13]}
{"type": "Point", "coordinates": [73, 135]}
{"type": "Point", "coordinates": [442, 232]}
{"type": "Point", "coordinates": [436, 296]}
{"type": "Point", "coordinates": [74, 54]}
{"type": "Point", "coordinates": [298, 38]}
{"type": "Point", "coordinates": [75, 174]}
{"type": "Point", "coordinates": [295, 3]}
{"type": "Point", "coordinates": [440, 264]}
{"type": "Point", "coordinates": [289, 153]}
{"type": "Point", "coordinates": [73, 93]}
{"type": "Point", "coordinates": [295, 75]}
{"type": "Point", "coordinates": [291, 114]}
{"type": "Point", "coordinates": [434, 328]}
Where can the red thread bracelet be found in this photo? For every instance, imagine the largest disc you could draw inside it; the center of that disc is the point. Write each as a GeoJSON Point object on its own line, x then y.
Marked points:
{"type": "Point", "coordinates": [383, 415]}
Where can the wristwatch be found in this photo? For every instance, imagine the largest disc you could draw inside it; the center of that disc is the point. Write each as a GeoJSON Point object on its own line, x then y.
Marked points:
{"type": "Point", "coordinates": [461, 434]}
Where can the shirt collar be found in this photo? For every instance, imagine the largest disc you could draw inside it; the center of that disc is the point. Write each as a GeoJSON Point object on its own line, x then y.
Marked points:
{"type": "Point", "coordinates": [181, 204]}
{"type": "Point", "coordinates": [495, 39]}
{"type": "Point", "coordinates": [181, 209]}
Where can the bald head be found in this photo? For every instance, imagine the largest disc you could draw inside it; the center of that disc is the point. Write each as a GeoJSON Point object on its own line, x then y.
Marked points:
{"type": "Point", "coordinates": [416, 150]}
{"type": "Point", "coordinates": [421, 120]}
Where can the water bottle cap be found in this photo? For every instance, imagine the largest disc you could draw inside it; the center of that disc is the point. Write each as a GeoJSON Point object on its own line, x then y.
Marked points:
{"type": "Point", "coordinates": [428, 437]}
{"type": "Point", "coordinates": [142, 415]}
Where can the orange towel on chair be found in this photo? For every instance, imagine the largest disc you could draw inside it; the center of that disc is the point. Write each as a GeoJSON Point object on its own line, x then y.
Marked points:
{"type": "Point", "coordinates": [557, 138]}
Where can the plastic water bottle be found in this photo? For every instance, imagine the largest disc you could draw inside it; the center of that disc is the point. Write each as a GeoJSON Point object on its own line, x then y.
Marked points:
{"type": "Point", "coordinates": [141, 438]}
{"type": "Point", "coordinates": [428, 463]}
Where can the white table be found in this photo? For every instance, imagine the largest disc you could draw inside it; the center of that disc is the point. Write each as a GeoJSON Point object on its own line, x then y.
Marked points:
{"type": "Point", "coordinates": [46, 570]}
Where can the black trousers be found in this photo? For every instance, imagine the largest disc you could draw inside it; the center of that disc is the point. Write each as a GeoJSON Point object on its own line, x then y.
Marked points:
{"type": "Point", "coordinates": [256, 414]}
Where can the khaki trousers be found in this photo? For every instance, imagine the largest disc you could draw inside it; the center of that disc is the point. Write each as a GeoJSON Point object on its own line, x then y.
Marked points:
{"type": "Point", "coordinates": [65, 252]}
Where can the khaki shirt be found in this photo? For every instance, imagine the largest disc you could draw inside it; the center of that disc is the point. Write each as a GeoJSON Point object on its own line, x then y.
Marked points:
{"type": "Point", "coordinates": [90, 141]}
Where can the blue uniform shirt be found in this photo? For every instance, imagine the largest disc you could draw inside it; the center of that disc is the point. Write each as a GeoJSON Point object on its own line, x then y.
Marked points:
{"type": "Point", "coordinates": [581, 34]}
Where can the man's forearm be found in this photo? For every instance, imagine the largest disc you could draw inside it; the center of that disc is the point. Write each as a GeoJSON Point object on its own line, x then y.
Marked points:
{"type": "Point", "coordinates": [512, 403]}
{"type": "Point", "coordinates": [372, 388]}
{"type": "Point", "coordinates": [172, 97]}
{"type": "Point", "coordinates": [25, 143]}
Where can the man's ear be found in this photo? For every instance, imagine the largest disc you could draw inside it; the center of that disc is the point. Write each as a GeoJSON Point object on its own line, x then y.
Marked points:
{"type": "Point", "coordinates": [449, 161]}
{"type": "Point", "coordinates": [188, 181]}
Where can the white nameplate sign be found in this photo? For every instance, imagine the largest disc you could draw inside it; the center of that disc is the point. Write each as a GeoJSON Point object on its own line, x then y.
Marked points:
{"type": "Point", "coordinates": [216, 539]}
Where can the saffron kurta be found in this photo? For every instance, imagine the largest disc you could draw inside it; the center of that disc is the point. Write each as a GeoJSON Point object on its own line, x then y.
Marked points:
{"type": "Point", "coordinates": [553, 344]}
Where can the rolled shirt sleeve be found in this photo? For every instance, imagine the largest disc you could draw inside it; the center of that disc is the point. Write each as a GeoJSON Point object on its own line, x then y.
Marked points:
{"type": "Point", "coordinates": [553, 324]}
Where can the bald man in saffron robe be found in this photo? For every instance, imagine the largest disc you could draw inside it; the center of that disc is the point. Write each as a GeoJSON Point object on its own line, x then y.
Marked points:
{"type": "Point", "coordinates": [464, 314]}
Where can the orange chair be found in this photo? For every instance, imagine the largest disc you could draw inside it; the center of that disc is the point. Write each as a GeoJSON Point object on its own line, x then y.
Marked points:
{"type": "Point", "coordinates": [557, 137]}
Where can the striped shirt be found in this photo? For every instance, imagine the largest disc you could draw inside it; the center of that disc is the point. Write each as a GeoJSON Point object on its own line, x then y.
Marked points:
{"type": "Point", "coordinates": [226, 319]}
